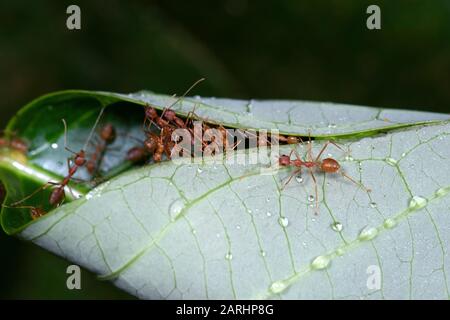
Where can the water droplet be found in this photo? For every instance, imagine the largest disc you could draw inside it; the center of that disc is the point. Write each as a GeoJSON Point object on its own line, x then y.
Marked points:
{"type": "Point", "coordinates": [320, 262]}
{"type": "Point", "coordinates": [313, 219]}
{"type": "Point", "coordinates": [389, 223]}
{"type": "Point", "coordinates": [238, 227]}
{"type": "Point", "coordinates": [278, 287]}
{"type": "Point", "coordinates": [199, 170]}
{"type": "Point", "coordinates": [348, 158]}
{"type": "Point", "coordinates": [269, 214]}
{"type": "Point", "coordinates": [391, 161]}
{"type": "Point", "coordinates": [268, 199]}
{"type": "Point", "coordinates": [311, 198]}
{"type": "Point", "coordinates": [368, 234]}
{"type": "Point", "coordinates": [54, 146]}
{"type": "Point", "coordinates": [337, 226]}
{"type": "Point", "coordinates": [283, 221]}
{"type": "Point", "coordinates": [329, 155]}
{"type": "Point", "coordinates": [403, 154]}
{"type": "Point", "coordinates": [194, 231]}
{"type": "Point", "coordinates": [217, 235]}
{"type": "Point", "coordinates": [263, 253]}
{"type": "Point", "coordinates": [249, 210]}
{"type": "Point", "coordinates": [175, 209]}
{"type": "Point", "coordinates": [299, 178]}
{"type": "Point", "coordinates": [417, 202]}
{"type": "Point", "coordinates": [229, 256]}
{"type": "Point", "coordinates": [304, 244]}
{"type": "Point", "coordinates": [332, 125]}
{"type": "Point", "coordinates": [340, 252]}
{"type": "Point", "coordinates": [373, 204]}
{"type": "Point", "coordinates": [442, 191]}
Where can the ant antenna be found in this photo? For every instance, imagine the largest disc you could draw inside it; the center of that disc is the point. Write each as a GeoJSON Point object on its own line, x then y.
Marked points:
{"type": "Point", "coordinates": [93, 128]}
{"type": "Point", "coordinates": [65, 137]}
{"type": "Point", "coordinates": [184, 95]}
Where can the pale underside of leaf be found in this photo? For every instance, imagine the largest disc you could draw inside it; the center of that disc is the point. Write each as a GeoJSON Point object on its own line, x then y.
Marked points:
{"type": "Point", "coordinates": [291, 117]}
{"type": "Point", "coordinates": [227, 231]}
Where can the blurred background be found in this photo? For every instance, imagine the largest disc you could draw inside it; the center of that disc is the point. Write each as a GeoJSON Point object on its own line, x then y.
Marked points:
{"type": "Point", "coordinates": [285, 49]}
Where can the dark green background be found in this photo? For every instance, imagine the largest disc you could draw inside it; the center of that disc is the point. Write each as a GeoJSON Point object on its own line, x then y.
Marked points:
{"type": "Point", "coordinates": [312, 50]}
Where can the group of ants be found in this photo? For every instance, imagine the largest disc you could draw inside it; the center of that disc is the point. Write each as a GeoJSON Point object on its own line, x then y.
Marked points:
{"type": "Point", "coordinates": [159, 141]}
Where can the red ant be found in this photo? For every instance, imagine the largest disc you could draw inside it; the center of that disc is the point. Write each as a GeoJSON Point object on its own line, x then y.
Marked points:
{"type": "Point", "coordinates": [14, 143]}
{"type": "Point", "coordinates": [157, 145]}
{"type": "Point", "coordinates": [57, 195]}
{"type": "Point", "coordinates": [107, 137]}
{"type": "Point", "coordinates": [327, 165]}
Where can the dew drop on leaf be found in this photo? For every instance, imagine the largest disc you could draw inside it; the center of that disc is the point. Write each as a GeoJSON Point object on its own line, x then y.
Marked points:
{"type": "Point", "coordinates": [337, 226]}
{"type": "Point", "coordinates": [320, 262]}
{"type": "Point", "coordinates": [283, 221]}
{"type": "Point", "coordinates": [368, 234]}
{"type": "Point", "coordinates": [417, 202]}
{"type": "Point", "coordinates": [176, 208]}
{"type": "Point", "coordinates": [391, 161]}
{"type": "Point", "coordinates": [389, 223]}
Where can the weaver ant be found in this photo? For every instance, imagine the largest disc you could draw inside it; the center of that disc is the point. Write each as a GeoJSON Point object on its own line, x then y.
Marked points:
{"type": "Point", "coordinates": [15, 143]}
{"type": "Point", "coordinates": [57, 196]}
{"type": "Point", "coordinates": [155, 144]}
{"type": "Point", "coordinates": [327, 165]}
{"type": "Point", "coordinates": [107, 137]}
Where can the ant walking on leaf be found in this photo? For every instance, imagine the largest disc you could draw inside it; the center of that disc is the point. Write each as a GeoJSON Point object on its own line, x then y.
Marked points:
{"type": "Point", "coordinates": [327, 165]}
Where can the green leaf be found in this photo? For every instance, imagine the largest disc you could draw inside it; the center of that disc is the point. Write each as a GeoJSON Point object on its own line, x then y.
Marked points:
{"type": "Point", "coordinates": [221, 229]}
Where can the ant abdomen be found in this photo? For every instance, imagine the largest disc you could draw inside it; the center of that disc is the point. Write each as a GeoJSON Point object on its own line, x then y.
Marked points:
{"type": "Point", "coordinates": [57, 196]}
{"type": "Point", "coordinates": [108, 133]}
{"type": "Point", "coordinates": [137, 155]}
{"type": "Point", "coordinates": [330, 165]}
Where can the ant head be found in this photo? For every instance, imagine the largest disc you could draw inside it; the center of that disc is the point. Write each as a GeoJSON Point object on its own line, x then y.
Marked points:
{"type": "Point", "coordinates": [151, 113]}
{"type": "Point", "coordinates": [292, 140]}
{"type": "Point", "coordinates": [284, 160]}
{"type": "Point", "coordinates": [330, 165]}
{"type": "Point", "coordinates": [170, 115]}
{"type": "Point", "coordinates": [108, 133]}
{"type": "Point", "coordinates": [80, 158]}
{"type": "Point", "coordinates": [150, 144]}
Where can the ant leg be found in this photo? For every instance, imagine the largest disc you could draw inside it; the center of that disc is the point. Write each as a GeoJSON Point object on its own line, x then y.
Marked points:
{"type": "Point", "coordinates": [355, 182]}
{"type": "Point", "coordinates": [309, 151]}
{"type": "Point", "coordinates": [291, 176]}
{"type": "Point", "coordinates": [45, 186]}
{"type": "Point", "coordinates": [315, 191]}
{"type": "Point", "coordinates": [326, 145]}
